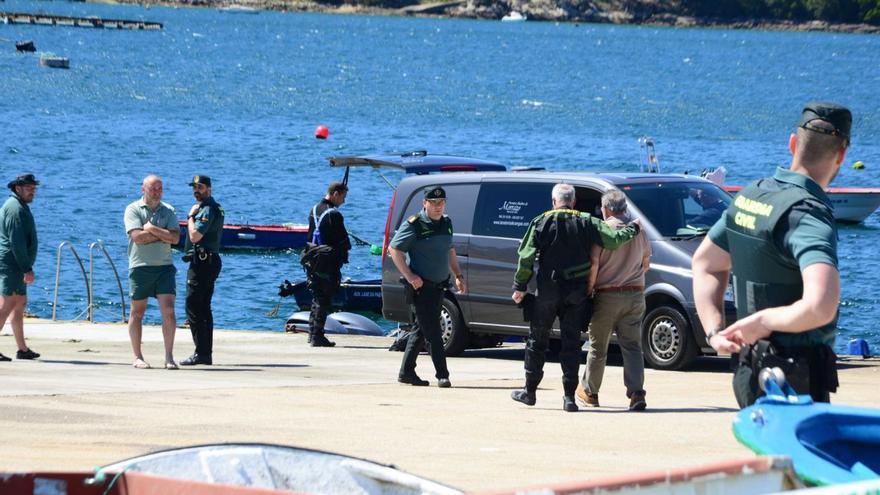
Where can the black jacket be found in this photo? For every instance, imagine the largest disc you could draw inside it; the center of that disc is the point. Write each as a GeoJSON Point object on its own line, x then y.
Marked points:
{"type": "Point", "coordinates": [332, 227]}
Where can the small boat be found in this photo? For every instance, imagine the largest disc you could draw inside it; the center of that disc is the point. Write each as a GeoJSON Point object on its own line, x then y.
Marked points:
{"type": "Point", "coordinates": [851, 204]}
{"type": "Point", "coordinates": [54, 61]}
{"type": "Point", "coordinates": [238, 9]}
{"type": "Point", "coordinates": [229, 469]}
{"type": "Point", "coordinates": [25, 46]}
{"type": "Point", "coordinates": [828, 444]}
{"type": "Point", "coordinates": [246, 236]}
{"type": "Point", "coordinates": [514, 16]}
{"type": "Point", "coordinates": [365, 295]}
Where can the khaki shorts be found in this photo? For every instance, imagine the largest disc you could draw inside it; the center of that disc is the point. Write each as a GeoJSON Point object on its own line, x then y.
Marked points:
{"type": "Point", "coordinates": [150, 281]}
{"type": "Point", "coordinates": [12, 284]}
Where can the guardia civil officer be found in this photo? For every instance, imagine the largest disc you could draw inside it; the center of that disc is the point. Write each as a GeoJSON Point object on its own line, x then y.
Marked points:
{"type": "Point", "coordinates": [780, 240]}
{"type": "Point", "coordinates": [204, 224]}
{"type": "Point", "coordinates": [423, 253]}
{"type": "Point", "coordinates": [327, 228]}
{"type": "Point", "coordinates": [560, 241]}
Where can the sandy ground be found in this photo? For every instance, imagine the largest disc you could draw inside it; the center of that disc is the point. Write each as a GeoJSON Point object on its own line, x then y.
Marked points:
{"type": "Point", "coordinates": [82, 405]}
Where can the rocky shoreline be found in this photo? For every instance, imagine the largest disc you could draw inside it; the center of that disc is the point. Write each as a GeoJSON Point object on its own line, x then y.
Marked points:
{"type": "Point", "coordinates": [609, 12]}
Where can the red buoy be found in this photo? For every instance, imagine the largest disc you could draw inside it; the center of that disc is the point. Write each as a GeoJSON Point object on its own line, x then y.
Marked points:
{"type": "Point", "coordinates": [321, 132]}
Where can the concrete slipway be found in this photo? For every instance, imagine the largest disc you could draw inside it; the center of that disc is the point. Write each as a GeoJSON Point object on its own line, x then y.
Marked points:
{"type": "Point", "coordinates": [83, 405]}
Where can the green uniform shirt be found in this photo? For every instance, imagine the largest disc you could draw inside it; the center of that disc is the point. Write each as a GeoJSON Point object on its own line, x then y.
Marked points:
{"type": "Point", "coordinates": [209, 223]}
{"type": "Point", "coordinates": [427, 244]}
{"type": "Point", "coordinates": [18, 237]}
{"type": "Point", "coordinates": [137, 214]}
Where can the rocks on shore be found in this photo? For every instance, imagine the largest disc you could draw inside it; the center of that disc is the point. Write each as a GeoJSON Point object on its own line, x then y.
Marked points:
{"type": "Point", "coordinates": [641, 12]}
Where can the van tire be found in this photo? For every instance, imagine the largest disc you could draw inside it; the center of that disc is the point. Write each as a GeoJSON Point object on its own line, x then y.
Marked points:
{"type": "Point", "coordinates": [667, 339]}
{"type": "Point", "coordinates": [452, 328]}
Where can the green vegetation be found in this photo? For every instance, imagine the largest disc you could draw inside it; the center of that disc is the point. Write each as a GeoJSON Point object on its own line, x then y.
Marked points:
{"type": "Point", "coordinates": [846, 11]}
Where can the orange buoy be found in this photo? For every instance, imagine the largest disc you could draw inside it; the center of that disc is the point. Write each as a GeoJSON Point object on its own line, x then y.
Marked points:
{"type": "Point", "coordinates": [321, 132]}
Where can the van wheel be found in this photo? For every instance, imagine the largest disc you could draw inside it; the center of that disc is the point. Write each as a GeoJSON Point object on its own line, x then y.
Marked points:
{"type": "Point", "coordinates": [452, 329]}
{"type": "Point", "coordinates": [667, 339]}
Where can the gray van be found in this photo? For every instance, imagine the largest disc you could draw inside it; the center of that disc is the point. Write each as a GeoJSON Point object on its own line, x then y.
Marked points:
{"type": "Point", "coordinates": [490, 210]}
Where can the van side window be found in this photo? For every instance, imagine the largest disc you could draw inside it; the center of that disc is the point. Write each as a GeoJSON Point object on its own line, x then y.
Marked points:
{"type": "Point", "coordinates": [459, 205]}
{"type": "Point", "coordinates": [505, 209]}
{"type": "Point", "coordinates": [588, 201]}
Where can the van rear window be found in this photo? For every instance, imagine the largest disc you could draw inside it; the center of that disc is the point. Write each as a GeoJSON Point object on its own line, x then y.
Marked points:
{"type": "Point", "coordinates": [505, 209]}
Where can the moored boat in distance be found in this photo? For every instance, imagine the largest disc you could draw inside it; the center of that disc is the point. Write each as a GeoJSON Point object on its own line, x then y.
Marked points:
{"type": "Point", "coordinates": [238, 9]}
{"type": "Point", "coordinates": [851, 204]}
{"type": "Point", "coordinates": [514, 16]}
{"type": "Point", "coordinates": [54, 61]}
{"type": "Point", "coordinates": [25, 46]}
{"type": "Point", "coordinates": [245, 236]}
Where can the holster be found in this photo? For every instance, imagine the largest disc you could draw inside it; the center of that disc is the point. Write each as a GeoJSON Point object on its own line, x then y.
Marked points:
{"type": "Point", "coordinates": [408, 292]}
{"type": "Point", "coordinates": [808, 369]}
{"type": "Point", "coordinates": [528, 306]}
{"type": "Point", "coordinates": [198, 255]}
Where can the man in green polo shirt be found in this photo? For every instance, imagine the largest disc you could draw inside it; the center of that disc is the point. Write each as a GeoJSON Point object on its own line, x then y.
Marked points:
{"type": "Point", "coordinates": [18, 252]}
{"type": "Point", "coordinates": [152, 229]}
{"type": "Point", "coordinates": [425, 241]}
{"type": "Point", "coordinates": [779, 239]}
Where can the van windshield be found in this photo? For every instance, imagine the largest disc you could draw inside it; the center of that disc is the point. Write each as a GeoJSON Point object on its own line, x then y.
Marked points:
{"type": "Point", "coordinates": [679, 209]}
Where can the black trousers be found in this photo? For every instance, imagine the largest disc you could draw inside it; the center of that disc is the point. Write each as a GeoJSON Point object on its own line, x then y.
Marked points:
{"type": "Point", "coordinates": [200, 280]}
{"type": "Point", "coordinates": [567, 301]}
{"type": "Point", "coordinates": [427, 301]}
{"type": "Point", "coordinates": [323, 290]}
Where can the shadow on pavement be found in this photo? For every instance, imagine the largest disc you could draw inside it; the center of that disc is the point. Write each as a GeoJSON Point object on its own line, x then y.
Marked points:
{"type": "Point", "coordinates": [706, 364]}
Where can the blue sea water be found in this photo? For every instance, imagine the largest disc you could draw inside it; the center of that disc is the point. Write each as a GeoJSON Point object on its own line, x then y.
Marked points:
{"type": "Point", "coordinates": [237, 97]}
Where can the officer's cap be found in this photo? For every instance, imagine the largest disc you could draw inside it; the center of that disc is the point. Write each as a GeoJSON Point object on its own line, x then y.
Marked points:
{"type": "Point", "coordinates": [435, 192]}
{"type": "Point", "coordinates": [23, 180]}
{"type": "Point", "coordinates": [839, 117]}
{"type": "Point", "coordinates": [201, 179]}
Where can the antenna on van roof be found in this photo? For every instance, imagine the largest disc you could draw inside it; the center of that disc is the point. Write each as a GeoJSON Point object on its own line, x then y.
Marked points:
{"type": "Point", "coordinates": [648, 161]}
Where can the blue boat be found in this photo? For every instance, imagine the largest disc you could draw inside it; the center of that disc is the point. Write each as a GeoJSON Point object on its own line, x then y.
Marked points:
{"type": "Point", "coordinates": [238, 236]}
{"type": "Point", "coordinates": [365, 295]}
{"type": "Point", "coordinates": [828, 444]}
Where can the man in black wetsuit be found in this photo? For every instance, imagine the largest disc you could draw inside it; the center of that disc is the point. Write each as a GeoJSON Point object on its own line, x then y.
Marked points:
{"type": "Point", "coordinates": [326, 228]}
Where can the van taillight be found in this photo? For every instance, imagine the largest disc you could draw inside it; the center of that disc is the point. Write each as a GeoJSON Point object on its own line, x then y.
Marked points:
{"type": "Point", "coordinates": [386, 240]}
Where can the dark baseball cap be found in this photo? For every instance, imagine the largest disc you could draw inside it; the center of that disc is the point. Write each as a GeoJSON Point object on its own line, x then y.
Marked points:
{"type": "Point", "coordinates": [23, 180]}
{"type": "Point", "coordinates": [435, 192]}
{"type": "Point", "coordinates": [839, 117]}
{"type": "Point", "coordinates": [201, 179]}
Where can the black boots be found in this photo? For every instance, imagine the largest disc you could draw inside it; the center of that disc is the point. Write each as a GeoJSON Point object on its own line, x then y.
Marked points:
{"type": "Point", "coordinates": [568, 404]}
{"type": "Point", "coordinates": [319, 340]}
{"type": "Point", "coordinates": [524, 396]}
{"type": "Point", "coordinates": [197, 359]}
{"type": "Point", "coordinates": [412, 379]}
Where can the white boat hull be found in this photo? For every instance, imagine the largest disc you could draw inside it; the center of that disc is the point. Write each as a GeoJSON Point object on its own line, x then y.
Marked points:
{"type": "Point", "coordinates": [851, 204]}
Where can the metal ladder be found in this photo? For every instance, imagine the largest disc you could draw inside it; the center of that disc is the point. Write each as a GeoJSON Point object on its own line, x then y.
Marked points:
{"type": "Point", "coordinates": [88, 280]}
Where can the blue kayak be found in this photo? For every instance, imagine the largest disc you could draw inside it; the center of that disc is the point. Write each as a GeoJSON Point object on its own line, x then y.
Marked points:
{"type": "Point", "coordinates": [828, 444]}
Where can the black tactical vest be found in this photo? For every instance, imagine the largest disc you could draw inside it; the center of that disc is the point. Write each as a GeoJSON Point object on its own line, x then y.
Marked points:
{"type": "Point", "coordinates": [563, 239]}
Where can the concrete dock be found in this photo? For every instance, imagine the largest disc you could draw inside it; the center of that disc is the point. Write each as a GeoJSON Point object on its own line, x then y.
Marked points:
{"type": "Point", "coordinates": [82, 405]}
{"type": "Point", "coordinates": [40, 19]}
